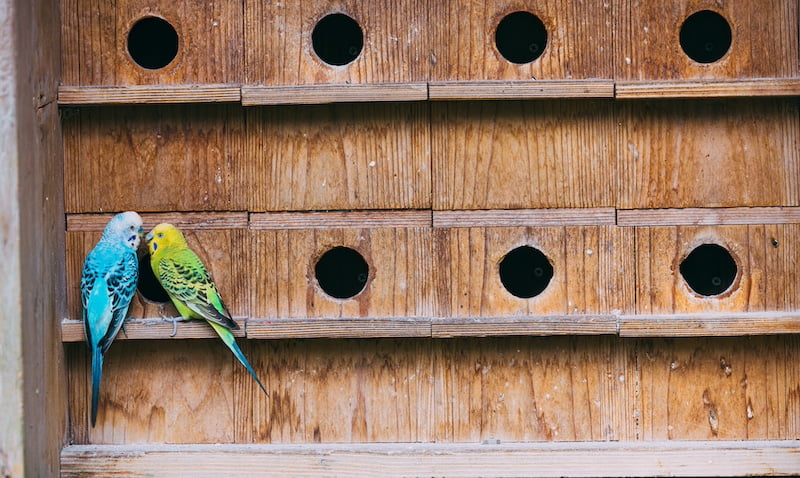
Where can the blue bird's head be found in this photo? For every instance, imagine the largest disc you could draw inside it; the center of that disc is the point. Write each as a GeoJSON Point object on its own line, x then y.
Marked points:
{"type": "Point", "coordinates": [125, 227]}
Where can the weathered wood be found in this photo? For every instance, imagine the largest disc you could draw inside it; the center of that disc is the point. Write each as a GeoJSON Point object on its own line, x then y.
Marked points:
{"type": "Point", "coordinates": [148, 94]}
{"type": "Point", "coordinates": [708, 153]}
{"type": "Point", "coordinates": [338, 157]}
{"type": "Point", "coordinates": [154, 158]}
{"type": "Point", "coordinates": [519, 90]}
{"type": "Point", "coordinates": [199, 220]}
{"type": "Point", "coordinates": [462, 46]}
{"type": "Point", "coordinates": [156, 328]}
{"type": "Point", "coordinates": [536, 325]}
{"type": "Point", "coordinates": [338, 327]}
{"type": "Point", "coordinates": [708, 216]}
{"type": "Point", "coordinates": [708, 88]}
{"type": "Point", "coordinates": [322, 94]}
{"type": "Point", "coordinates": [525, 217]}
{"type": "Point", "coordinates": [339, 219]}
{"type": "Point", "coordinates": [707, 325]}
{"type": "Point", "coordinates": [765, 40]}
{"type": "Point", "coordinates": [523, 154]}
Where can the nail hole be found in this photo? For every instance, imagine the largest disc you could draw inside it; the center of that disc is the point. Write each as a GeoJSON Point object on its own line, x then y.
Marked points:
{"type": "Point", "coordinates": [342, 272]}
{"type": "Point", "coordinates": [525, 272]}
{"type": "Point", "coordinates": [148, 285]}
{"type": "Point", "coordinates": [337, 39]}
{"type": "Point", "coordinates": [709, 270]}
{"type": "Point", "coordinates": [153, 43]}
{"type": "Point", "coordinates": [520, 37]}
{"type": "Point", "coordinates": [705, 36]}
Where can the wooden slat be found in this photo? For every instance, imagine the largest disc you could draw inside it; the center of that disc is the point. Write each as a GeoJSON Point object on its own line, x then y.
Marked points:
{"type": "Point", "coordinates": [322, 94]}
{"type": "Point", "coordinates": [339, 219]}
{"type": "Point", "coordinates": [193, 220]}
{"type": "Point", "coordinates": [705, 325]}
{"type": "Point", "coordinates": [338, 328]}
{"type": "Point", "coordinates": [148, 94]}
{"type": "Point", "coordinates": [138, 329]}
{"type": "Point", "coordinates": [520, 90]}
{"type": "Point", "coordinates": [708, 216]}
{"type": "Point", "coordinates": [534, 325]}
{"type": "Point", "coordinates": [708, 88]}
{"type": "Point", "coordinates": [663, 458]}
{"type": "Point", "coordinates": [524, 217]}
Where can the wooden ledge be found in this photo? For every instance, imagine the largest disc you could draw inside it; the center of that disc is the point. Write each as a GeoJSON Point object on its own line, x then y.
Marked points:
{"type": "Point", "coordinates": [520, 90]}
{"type": "Point", "coordinates": [148, 94]}
{"type": "Point", "coordinates": [193, 220]}
{"type": "Point", "coordinates": [709, 325]}
{"type": "Point", "coordinates": [708, 216]}
{"type": "Point", "coordinates": [708, 88]}
{"type": "Point", "coordinates": [601, 459]}
{"type": "Point", "coordinates": [339, 328]}
{"type": "Point", "coordinates": [322, 94]}
{"type": "Point", "coordinates": [340, 219]}
{"type": "Point", "coordinates": [532, 325]}
{"type": "Point", "coordinates": [525, 217]}
{"type": "Point", "coordinates": [140, 329]}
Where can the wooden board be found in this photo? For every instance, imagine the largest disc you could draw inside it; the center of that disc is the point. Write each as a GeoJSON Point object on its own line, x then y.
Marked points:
{"type": "Point", "coordinates": [523, 154]}
{"type": "Point", "coordinates": [579, 43]}
{"type": "Point", "coordinates": [95, 35]}
{"type": "Point", "coordinates": [708, 153]}
{"type": "Point", "coordinates": [278, 50]}
{"type": "Point", "coordinates": [764, 40]}
{"type": "Point", "coordinates": [154, 158]}
{"type": "Point", "coordinates": [148, 94]}
{"type": "Point", "coordinates": [338, 157]}
{"type": "Point", "coordinates": [766, 258]}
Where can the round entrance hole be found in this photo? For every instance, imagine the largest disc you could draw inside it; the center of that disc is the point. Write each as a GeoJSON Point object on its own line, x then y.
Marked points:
{"type": "Point", "coordinates": [153, 43]}
{"type": "Point", "coordinates": [342, 272]}
{"type": "Point", "coordinates": [337, 39]}
{"type": "Point", "coordinates": [525, 272]}
{"type": "Point", "coordinates": [705, 36]}
{"type": "Point", "coordinates": [709, 270]}
{"type": "Point", "coordinates": [520, 37]}
{"type": "Point", "coordinates": [148, 285]}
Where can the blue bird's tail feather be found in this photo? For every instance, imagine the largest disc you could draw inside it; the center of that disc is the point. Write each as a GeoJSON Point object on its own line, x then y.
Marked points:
{"type": "Point", "coordinates": [227, 337]}
{"type": "Point", "coordinates": [97, 371]}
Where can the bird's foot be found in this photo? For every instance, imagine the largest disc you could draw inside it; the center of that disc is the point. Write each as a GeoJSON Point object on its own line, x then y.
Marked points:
{"type": "Point", "coordinates": [125, 332]}
{"type": "Point", "coordinates": [174, 321]}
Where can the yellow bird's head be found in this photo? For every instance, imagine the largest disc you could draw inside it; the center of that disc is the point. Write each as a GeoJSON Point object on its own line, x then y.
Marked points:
{"type": "Point", "coordinates": [163, 237]}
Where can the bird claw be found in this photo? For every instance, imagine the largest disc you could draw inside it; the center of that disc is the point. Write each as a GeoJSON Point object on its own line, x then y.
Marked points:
{"type": "Point", "coordinates": [124, 332]}
{"type": "Point", "coordinates": [174, 321]}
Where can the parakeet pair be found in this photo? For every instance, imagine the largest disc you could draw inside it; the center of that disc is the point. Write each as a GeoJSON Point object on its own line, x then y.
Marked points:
{"type": "Point", "coordinates": [108, 284]}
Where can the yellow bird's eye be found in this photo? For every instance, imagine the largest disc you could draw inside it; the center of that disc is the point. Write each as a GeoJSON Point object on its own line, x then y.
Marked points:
{"type": "Point", "coordinates": [160, 234]}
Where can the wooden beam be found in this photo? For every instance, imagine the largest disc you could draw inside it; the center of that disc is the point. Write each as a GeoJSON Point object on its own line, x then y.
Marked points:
{"type": "Point", "coordinates": [138, 329]}
{"type": "Point", "coordinates": [709, 325]}
{"type": "Point", "coordinates": [525, 217]}
{"type": "Point", "coordinates": [520, 90]}
{"type": "Point", "coordinates": [193, 220]}
{"type": "Point", "coordinates": [327, 93]}
{"type": "Point", "coordinates": [535, 325]}
{"type": "Point", "coordinates": [708, 88]}
{"type": "Point", "coordinates": [708, 216]}
{"type": "Point", "coordinates": [340, 219]}
{"type": "Point", "coordinates": [148, 94]}
{"type": "Point", "coordinates": [338, 328]}
{"type": "Point", "coordinates": [662, 458]}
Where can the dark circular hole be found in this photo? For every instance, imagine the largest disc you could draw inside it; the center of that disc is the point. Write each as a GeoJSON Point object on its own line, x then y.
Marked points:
{"type": "Point", "coordinates": [525, 272]}
{"type": "Point", "coordinates": [520, 37]}
{"type": "Point", "coordinates": [342, 272]}
{"type": "Point", "coordinates": [337, 39]}
{"type": "Point", "coordinates": [705, 36]}
{"type": "Point", "coordinates": [709, 269]}
{"type": "Point", "coordinates": [148, 285]}
{"type": "Point", "coordinates": [153, 43]}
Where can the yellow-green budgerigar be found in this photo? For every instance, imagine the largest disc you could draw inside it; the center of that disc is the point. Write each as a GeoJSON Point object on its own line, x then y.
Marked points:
{"type": "Point", "coordinates": [186, 280]}
{"type": "Point", "coordinates": [108, 283]}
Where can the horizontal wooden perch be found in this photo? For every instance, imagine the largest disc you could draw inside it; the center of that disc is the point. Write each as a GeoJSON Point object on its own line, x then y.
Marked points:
{"type": "Point", "coordinates": [149, 94]}
{"type": "Point", "coordinates": [708, 88]}
{"type": "Point", "coordinates": [195, 220]}
{"type": "Point", "coordinates": [525, 217]}
{"type": "Point", "coordinates": [662, 458]}
{"type": "Point", "coordinates": [675, 325]}
{"type": "Point", "coordinates": [520, 90]}
{"type": "Point", "coordinates": [321, 94]}
{"type": "Point", "coordinates": [708, 216]}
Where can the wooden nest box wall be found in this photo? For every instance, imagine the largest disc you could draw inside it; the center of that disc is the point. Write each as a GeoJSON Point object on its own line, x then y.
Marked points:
{"type": "Point", "coordinates": [461, 238]}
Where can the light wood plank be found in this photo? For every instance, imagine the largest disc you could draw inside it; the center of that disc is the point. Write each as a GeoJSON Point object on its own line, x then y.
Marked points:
{"type": "Point", "coordinates": [323, 94]}
{"type": "Point", "coordinates": [708, 88]}
{"type": "Point", "coordinates": [192, 220]}
{"type": "Point", "coordinates": [697, 458]}
{"type": "Point", "coordinates": [520, 90]}
{"type": "Point", "coordinates": [525, 217]}
{"type": "Point", "coordinates": [139, 329]}
{"type": "Point", "coordinates": [338, 328]}
{"type": "Point", "coordinates": [708, 216]}
{"type": "Point", "coordinates": [148, 94]}
{"type": "Point", "coordinates": [339, 219]}
{"type": "Point", "coordinates": [704, 325]}
{"type": "Point", "coordinates": [534, 325]}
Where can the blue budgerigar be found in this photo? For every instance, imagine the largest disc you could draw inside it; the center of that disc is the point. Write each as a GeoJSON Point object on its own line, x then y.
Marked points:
{"type": "Point", "coordinates": [108, 283]}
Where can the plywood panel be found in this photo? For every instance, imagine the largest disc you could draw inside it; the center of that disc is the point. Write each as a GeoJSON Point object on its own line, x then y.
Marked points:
{"type": "Point", "coordinates": [344, 156]}
{"type": "Point", "coordinates": [766, 258]}
{"type": "Point", "coordinates": [708, 153]}
{"type": "Point", "coordinates": [95, 37]}
{"type": "Point", "coordinates": [400, 282]}
{"type": "Point", "coordinates": [522, 154]}
{"type": "Point", "coordinates": [154, 158]}
{"type": "Point", "coordinates": [579, 43]}
{"type": "Point", "coordinates": [764, 40]}
{"type": "Point", "coordinates": [278, 47]}
{"type": "Point", "coordinates": [592, 271]}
